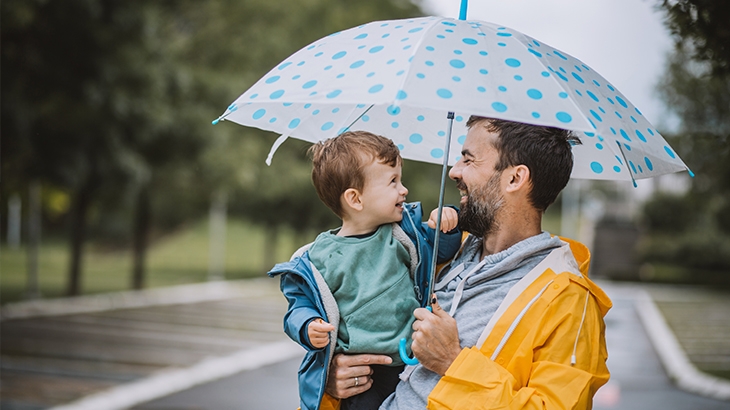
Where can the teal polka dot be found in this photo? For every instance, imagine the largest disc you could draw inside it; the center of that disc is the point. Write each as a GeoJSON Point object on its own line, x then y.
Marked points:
{"type": "Point", "coordinates": [563, 117]}
{"type": "Point", "coordinates": [535, 115]}
{"type": "Point", "coordinates": [375, 49]}
{"type": "Point", "coordinates": [374, 89]}
{"type": "Point", "coordinates": [361, 36]}
{"type": "Point", "coordinates": [669, 151]}
{"type": "Point", "coordinates": [469, 41]}
{"type": "Point", "coordinates": [339, 55]}
{"type": "Point", "coordinates": [579, 78]}
{"type": "Point", "coordinates": [365, 118]}
{"type": "Point", "coordinates": [276, 94]}
{"type": "Point", "coordinates": [563, 95]}
{"type": "Point", "coordinates": [641, 137]}
{"type": "Point", "coordinates": [285, 65]}
{"type": "Point", "coordinates": [593, 96]}
{"type": "Point", "coordinates": [481, 89]}
{"type": "Point", "coordinates": [416, 138]}
{"type": "Point", "coordinates": [622, 102]}
{"type": "Point", "coordinates": [444, 93]}
{"type": "Point", "coordinates": [499, 107]}
{"type": "Point", "coordinates": [420, 75]}
{"type": "Point", "coordinates": [395, 125]}
{"type": "Point", "coordinates": [624, 134]}
{"type": "Point", "coordinates": [401, 95]}
{"type": "Point", "coordinates": [599, 146]}
{"type": "Point", "coordinates": [648, 163]}
{"type": "Point", "coordinates": [420, 118]}
{"type": "Point", "coordinates": [327, 125]}
{"type": "Point", "coordinates": [294, 123]}
{"type": "Point", "coordinates": [309, 84]}
{"type": "Point", "coordinates": [357, 64]}
{"type": "Point", "coordinates": [272, 79]}
{"type": "Point", "coordinates": [512, 62]}
{"type": "Point", "coordinates": [393, 110]}
{"type": "Point", "coordinates": [534, 94]}
{"type": "Point", "coordinates": [437, 153]}
{"type": "Point", "coordinates": [334, 94]}
{"type": "Point", "coordinates": [616, 168]}
{"type": "Point", "coordinates": [259, 113]}
{"type": "Point", "coordinates": [457, 63]}
{"type": "Point", "coordinates": [483, 71]}
{"type": "Point", "coordinates": [461, 139]}
{"type": "Point", "coordinates": [596, 167]}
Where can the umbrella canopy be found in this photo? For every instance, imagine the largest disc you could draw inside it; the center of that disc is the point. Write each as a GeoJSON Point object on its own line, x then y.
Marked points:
{"type": "Point", "coordinates": [400, 78]}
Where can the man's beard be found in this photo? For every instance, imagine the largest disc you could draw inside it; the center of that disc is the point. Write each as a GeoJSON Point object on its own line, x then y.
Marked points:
{"type": "Point", "coordinates": [478, 216]}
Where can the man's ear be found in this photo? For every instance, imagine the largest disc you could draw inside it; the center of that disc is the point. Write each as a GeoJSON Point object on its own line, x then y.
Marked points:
{"type": "Point", "coordinates": [519, 178]}
{"type": "Point", "coordinates": [352, 200]}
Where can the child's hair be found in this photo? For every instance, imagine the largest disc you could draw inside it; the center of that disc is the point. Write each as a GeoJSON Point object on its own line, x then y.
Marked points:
{"type": "Point", "coordinates": [337, 163]}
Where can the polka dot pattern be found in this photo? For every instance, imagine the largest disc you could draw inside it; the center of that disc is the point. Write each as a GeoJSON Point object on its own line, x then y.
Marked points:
{"type": "Point", "coordinates": [399, 78]}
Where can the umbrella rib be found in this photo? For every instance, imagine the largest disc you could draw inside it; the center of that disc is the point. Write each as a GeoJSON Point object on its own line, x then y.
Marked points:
{"type": "Point", "coordinates": [626, 163]}
{"type": "Point", "coordinates": [358, 118]}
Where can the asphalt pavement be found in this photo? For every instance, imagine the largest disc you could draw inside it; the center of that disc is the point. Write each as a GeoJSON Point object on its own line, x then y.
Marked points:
{"type": "Point", "coordinates": [638, 379]}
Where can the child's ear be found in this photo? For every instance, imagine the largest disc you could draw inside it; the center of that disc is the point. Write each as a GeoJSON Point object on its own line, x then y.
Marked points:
{"type": "Point", "coordinates": [351, 198]}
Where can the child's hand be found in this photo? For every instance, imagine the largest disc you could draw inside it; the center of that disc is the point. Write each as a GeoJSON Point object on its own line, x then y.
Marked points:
{"type": "Point", "coordinates": [449, 219]}
{"type": "Point", "coordinates": [318, 332]}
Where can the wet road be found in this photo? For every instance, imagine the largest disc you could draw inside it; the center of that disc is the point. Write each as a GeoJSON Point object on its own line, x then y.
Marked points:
{"type": "Point", "coordinates": [638, 380]}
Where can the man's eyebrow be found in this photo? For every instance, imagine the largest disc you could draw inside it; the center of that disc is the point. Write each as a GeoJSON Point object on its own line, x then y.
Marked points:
{"type": "Point", "coordinates": [466, 152]}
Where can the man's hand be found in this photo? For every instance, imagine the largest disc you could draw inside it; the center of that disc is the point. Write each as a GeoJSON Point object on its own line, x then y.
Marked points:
{"type": "Point", "coordinates": [449, 219]}
{"type": "Point", "coordinates": [318, 332]}
{"type": "Point", "coordinates": [350, 374]}
{"type": "Point", "coordinates": [435, 338]}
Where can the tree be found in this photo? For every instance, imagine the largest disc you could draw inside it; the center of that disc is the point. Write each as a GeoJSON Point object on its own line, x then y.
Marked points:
{"type": "Point", "coordinates": [88, 93]}
{"type": "Point", "coordinates": [696, 87]}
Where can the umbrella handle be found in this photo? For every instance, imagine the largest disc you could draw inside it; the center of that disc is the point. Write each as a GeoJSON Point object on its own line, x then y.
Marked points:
{"type": "Point", "coordinates": [404, 354]}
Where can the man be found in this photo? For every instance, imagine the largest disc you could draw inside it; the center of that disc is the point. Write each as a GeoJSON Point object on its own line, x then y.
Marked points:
{"type": "Point", "coordinates": [516, 322]}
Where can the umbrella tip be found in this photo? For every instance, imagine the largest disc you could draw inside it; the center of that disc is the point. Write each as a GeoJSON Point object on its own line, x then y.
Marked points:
{"type": "Point", "coordinates": [215, 121]}
{"type": "Point", "coordinates": [691, 174]}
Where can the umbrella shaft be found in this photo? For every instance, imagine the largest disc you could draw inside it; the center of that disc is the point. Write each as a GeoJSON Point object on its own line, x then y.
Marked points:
{"type": "Point", "coordinates": [434, 257]}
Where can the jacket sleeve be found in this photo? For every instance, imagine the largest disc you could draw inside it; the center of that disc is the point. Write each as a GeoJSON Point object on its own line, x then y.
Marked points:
{"type": "Point", "coordinates": [449, 242]}
{"type": "Point", "coordinates": [302, 309]}
{"type": "Point", "coordinates": [474, 381]}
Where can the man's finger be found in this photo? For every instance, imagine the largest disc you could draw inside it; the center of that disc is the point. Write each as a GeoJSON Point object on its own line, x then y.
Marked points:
{"type": "Point", "coordinates": [436, 308]}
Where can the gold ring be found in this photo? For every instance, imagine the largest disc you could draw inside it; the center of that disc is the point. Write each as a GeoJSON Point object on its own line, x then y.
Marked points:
{"type": "Point", "coordinates": [357, 381]}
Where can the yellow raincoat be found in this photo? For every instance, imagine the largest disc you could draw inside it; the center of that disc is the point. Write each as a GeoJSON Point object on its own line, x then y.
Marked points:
{"type": "Point", "coordinates": [545, 347]}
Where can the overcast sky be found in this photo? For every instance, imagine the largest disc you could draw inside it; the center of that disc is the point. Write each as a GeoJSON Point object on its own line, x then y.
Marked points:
{"type": "Point", "coordinates": [623, 40]}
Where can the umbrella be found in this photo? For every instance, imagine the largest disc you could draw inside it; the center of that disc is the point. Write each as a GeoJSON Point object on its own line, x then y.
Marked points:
{"type": "Point", "coordinates": [400, 78]}
{"type": "Point", "coordinates": [404, 78]}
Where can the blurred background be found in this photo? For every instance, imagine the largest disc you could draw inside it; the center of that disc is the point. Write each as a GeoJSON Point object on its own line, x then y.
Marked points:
{"type": "Point", "coordinates": [113, 178]}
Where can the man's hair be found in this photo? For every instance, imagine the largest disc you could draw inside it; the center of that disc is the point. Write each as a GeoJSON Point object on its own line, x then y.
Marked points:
{"type": "Point", "coordinates": [338, 163]}
{"type": "Point", "coordinates": [546, 151]}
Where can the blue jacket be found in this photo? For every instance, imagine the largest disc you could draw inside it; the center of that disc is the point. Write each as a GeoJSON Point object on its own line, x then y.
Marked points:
{"type": "Point", "coordinates": [310, 298]}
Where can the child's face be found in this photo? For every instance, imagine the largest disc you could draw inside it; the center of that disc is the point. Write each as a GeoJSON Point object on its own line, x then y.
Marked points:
{"type": "Point", "coordinates": [383, 194]}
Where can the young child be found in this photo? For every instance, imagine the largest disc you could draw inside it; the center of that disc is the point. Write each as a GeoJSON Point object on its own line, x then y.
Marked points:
{"type": "Point", "coordinates": [352, 290]}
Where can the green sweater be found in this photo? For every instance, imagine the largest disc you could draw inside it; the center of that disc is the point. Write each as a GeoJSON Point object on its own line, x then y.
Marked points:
{"type": "Point", "coordinates": [369, 278]}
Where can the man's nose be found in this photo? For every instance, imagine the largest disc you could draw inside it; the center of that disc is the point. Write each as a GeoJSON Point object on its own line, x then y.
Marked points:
{"type": "Point", "coordinates": [455, 171]}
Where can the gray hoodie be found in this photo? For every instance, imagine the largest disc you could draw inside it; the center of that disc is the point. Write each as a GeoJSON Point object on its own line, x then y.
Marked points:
{"type": "Point", "coordinates": [477, 287]}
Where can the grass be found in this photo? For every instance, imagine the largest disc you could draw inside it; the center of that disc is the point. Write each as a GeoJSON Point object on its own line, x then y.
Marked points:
{"type": "Point", "coordinates": [179, 258]}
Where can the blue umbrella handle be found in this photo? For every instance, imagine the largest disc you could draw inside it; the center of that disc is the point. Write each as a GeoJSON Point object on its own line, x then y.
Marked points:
{"type": "Point", "coordinates": [404, 354]}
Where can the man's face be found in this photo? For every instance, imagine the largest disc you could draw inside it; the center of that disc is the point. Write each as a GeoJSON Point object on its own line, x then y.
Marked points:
{"type": "Point", "coordinates": [478, 182]}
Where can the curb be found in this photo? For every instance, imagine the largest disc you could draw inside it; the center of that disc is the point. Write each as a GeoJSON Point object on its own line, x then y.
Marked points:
{"type": "Point", "coordinates": [167, 382]}
{"type": "Point", "coordinates": [172, 295]}
{"type": "Point", "coordinates": [680, 370]}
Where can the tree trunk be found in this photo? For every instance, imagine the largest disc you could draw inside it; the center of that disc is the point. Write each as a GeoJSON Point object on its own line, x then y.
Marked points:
{"type": "Point", "coordinates": [140, 236]}
{"type": "Point", "coordinates": [79, 212]}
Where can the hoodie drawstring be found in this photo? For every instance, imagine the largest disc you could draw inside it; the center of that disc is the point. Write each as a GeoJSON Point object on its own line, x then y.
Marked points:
{"type": "Point", "coordinates": [575, 345]}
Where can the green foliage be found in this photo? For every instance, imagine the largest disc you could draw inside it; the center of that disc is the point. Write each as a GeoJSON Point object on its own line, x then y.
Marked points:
{"type": "Point", "coordinates": [692, 231]}
{"type": "Point", "coordinates": [703, 23]}
{"type": "Point", "coordinates": [668, 213]}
